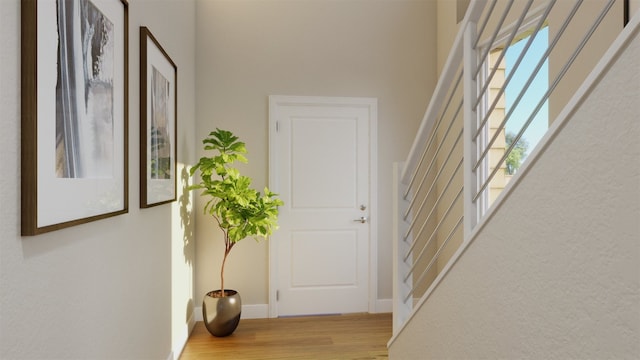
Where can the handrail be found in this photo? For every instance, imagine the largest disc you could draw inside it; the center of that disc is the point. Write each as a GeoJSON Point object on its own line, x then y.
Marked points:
{"type": "Point", "coordinates": [448, 74]}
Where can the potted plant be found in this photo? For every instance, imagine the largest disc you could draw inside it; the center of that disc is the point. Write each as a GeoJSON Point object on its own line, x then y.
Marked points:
{"type": "Point", "coordinates": [240, 212]}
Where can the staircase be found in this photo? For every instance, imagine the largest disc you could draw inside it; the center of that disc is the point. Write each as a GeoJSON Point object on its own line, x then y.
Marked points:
{"type": "Point", "coordinates": [550, 267]}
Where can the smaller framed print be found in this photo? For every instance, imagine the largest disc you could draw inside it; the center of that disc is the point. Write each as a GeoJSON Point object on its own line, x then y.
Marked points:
{"type": "Point", "coordinates": [158, 122]}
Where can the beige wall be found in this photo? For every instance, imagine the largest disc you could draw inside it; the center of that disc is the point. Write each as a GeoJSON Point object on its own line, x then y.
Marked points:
{"type": "Point", "coordinates": [447, 28]}
{"type": "Point", "coordinates": [248, 50]}
{"type": "Point", "coordinates": [555, 273]}
{"type": "Point", "coordinates": [107, 289]}
{"type": "Point", "coordinates": [634, 8]}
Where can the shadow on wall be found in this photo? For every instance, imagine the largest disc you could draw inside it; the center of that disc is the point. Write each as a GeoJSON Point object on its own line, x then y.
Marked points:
{"type": "Point", "coordinates": [187, 224]}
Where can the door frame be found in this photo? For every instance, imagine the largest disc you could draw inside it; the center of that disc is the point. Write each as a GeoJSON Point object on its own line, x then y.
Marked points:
{"type": "Point", "coordinates": [372, 104]}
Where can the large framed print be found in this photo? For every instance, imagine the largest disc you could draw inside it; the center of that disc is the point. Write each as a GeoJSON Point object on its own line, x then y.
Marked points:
{"type": "Point", "coordinates": [625, 13]}
{"type": "Point", "coordinates": [158, 121]}
{"type": "Point", "coordinates": [74, 112]}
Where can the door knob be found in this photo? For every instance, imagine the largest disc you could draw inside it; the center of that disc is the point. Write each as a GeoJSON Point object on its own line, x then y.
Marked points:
{"type": "Point", "coordinates": [363, 219]}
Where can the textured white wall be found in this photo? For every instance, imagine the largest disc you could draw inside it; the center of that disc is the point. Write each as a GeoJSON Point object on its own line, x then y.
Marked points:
{"type": "Point", "coordinates": [556, 272]}
{"type": "Point", "coordinates": [103, 289]}
{"type": "Point", "coordinates": [248, 50]}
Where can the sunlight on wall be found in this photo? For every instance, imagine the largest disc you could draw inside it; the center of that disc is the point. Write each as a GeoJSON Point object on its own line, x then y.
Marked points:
{"type": "Point", "coordinates": [182, 258]}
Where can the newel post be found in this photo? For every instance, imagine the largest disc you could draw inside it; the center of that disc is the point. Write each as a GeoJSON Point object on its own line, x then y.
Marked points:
{"type": "Point", "coordinates": [401, 308]}
{"type": "Point", "coordinates": [470, 62]}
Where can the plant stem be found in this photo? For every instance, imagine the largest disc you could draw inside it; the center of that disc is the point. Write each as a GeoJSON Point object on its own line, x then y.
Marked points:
{"type": "Point", "coordinates": [227, 249]}
{"type": "Point", "coordinates": [222, 274]}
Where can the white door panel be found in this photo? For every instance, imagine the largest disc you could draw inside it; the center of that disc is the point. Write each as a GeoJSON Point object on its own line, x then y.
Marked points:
{"type": "Point", "coordinates": [315, 144]}
{"type": "Point", "coordinates": [312, 250]}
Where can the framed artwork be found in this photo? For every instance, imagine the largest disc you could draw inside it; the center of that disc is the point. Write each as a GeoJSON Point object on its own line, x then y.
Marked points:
{"type": "Point", "coordinates": [158, 122]}
{"type": "Point", "coordinates": [74, 112]}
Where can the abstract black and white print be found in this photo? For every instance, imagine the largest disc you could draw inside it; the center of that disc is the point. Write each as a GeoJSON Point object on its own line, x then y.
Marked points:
{"type": "Point", "coordinates": [84, 91]}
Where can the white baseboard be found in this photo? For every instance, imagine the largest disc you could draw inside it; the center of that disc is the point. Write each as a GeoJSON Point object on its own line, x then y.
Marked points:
{"type": "Point", "coordinates": [384, 305]}
{"type": "Point", "coordinates": [257, 311]}
{"type": "Point", "coordinates": [180, 343]}
{"type": "Point", "coordinates": [261, 311]}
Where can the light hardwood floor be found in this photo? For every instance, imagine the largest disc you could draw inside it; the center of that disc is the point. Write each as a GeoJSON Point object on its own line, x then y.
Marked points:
{"type": "Point", "coordinates": [353, 336]}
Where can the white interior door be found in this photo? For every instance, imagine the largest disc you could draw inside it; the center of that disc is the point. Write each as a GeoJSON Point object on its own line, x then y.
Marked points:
{"type": "Point", "coordinates": [321, 166]}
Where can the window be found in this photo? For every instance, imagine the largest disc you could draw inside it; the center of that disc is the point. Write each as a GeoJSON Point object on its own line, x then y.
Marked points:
{"type": "Point", "coordinates": [515, 112]}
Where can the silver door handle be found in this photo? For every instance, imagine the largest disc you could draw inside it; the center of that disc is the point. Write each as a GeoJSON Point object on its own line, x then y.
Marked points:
{"type": "Point", "coordinates": [363, 219]}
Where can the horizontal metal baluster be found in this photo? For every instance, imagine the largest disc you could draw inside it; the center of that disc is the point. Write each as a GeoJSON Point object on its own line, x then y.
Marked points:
{"type": "Point", "coordinates": [512, 36]}
{"type": "Point", "coordinates": [483, 58]}
{"type": "Point", "coordinates": [432, 137]}
{"type": "Point", "coordinates": [534, 73]}
{"type": "Point", "coordinates": [433, 161]}
{"type": "Point", "coordinates": [435, 258]}
{"type": "Point", "coordinates": [415, 217]}
{"type": "Point", "coordinates": [485, 23]}
{"type": "Point", "coordinates": [424, 223]}
{"type": "Point", "coordinates": [432, 187]}
{"type": "Point", "coordinates": [434, 233]}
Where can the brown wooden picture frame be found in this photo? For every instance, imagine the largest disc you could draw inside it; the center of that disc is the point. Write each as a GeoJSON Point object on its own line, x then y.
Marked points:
{"type": "Point", "coordinates": [158, 122]}
{"type": "Point", "coordinates": [74, 104]}
{"type": "Point", "coordinates": [625, 13]}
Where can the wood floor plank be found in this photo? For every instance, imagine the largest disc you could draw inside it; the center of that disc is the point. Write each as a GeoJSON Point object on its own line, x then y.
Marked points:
{"type": "Point", "coordinates": [353, 336]}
